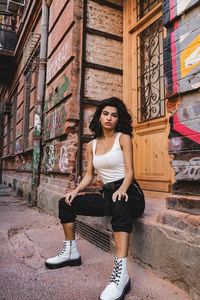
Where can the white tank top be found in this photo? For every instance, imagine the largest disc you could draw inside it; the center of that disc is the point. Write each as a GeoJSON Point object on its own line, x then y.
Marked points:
{"type": "Point", "coordinates": [109, 166]}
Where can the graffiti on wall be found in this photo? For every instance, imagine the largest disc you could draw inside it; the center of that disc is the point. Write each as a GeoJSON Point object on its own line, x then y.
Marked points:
{"type": "Point", "coordinates": [37, 125]}
{"type": "Point", "coordinates": [19, 146]}
{"type": "Point", "coordinates": [22, 163]}
{"type": "Point", "coordinates": [49, 158]}
{"type": "Point", "coordinates": [35, 164]}
{"type": "Point", "coordinates": [54, 124]}
{"type": "Point", "coordinates": [60, 57]}
{"type": "Point", "coordinates": [59, 157]}
{"type": "Point", "coordinates": [63, 161]}
{"type": "Point", "coordinates": [58, 93]}
{"type": "Point", "coordinates": [184, 142]}
{"type": "Point", "coordinates": [187, 169]}
{"type": "Point", "coordinates": [174, 8]}
{"type": "Point", "coordinates": [182, 54]}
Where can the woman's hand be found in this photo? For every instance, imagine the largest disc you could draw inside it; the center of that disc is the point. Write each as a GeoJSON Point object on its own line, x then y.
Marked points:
{"type": "Point", "coordinates": [119, 195]}
{"type": "Point", "coordinates": [70, 197]}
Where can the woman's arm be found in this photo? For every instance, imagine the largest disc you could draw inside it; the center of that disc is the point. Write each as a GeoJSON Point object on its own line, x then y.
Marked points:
{"type": "Point", "coordinates": [127, 149]}
{"type": "Point", "coordinates": [90, 170]}
{"type": "Point", "coordinates": [86, 179]}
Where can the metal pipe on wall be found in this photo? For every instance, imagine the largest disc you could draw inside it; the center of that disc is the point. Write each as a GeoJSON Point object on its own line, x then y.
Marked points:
{"type": "Point", "coordinates": [37, 138]}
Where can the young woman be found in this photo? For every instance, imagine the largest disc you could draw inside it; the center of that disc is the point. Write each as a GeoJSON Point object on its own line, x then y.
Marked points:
{"type": "Point", "coordinates": [110, 154]}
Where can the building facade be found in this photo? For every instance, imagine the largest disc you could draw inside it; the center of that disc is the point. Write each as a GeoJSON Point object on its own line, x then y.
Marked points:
{"type": "Point", "coordinates": [59, 59]}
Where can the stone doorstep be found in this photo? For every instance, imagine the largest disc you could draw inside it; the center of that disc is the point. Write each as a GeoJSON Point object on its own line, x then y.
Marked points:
{"type": "Point", "coordinates": [5, 190]}
{"type": "Point", "coordinates": [188, 204]}
{"type": "Point", "coordinates": [180, 220]}
{"type": "Point", "coordinates": [3, 187]}
{"type": "Point", "coordinates": [162, 240]}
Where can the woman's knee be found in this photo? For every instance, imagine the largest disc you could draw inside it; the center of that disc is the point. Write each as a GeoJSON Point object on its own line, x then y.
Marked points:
{"type": "Point", "coordinates": [121, 217]}
{"type": "Point", "coordinates": [127, 227]}
{"type": "Point", "coordinates": [65, 213]}
{"type": "Point", "coordinates": [62, 204]}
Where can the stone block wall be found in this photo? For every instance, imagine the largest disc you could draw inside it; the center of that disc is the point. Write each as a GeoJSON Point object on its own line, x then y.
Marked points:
{"type": "Point", "coordinates": [182, 74]}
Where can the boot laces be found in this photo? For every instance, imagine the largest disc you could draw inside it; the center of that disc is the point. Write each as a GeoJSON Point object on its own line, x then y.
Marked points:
{"type": "Point", "coordinates": [115, 277]}
{"type": "Point", "coordinates": [63, 250]}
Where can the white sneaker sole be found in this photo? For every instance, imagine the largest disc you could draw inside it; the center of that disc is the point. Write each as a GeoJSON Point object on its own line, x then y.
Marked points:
{"type": "Point", "coordinates": [70, 262]}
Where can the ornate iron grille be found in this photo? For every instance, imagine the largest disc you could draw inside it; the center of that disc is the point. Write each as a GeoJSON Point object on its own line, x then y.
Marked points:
{"type": "Point", "coordinates": [144, 6]}
{"type": "Point", "coordinates": [150, 73]}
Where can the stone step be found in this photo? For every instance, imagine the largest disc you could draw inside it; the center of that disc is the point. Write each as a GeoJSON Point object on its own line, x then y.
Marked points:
{"type": "Point", "coordinates": [188, 204]}
{"type": "Point", "coordinates": [181, 220]}
{"type": "Point", "coordinates": [5, 190]}
{"type": "Point", "coordinates": [167, 248]}
{"type": "Point", "coordinates": [3, 186]}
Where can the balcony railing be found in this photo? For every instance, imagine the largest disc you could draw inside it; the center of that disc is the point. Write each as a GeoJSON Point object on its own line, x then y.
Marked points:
{"type": "Point", "coordinates": [8, 38]}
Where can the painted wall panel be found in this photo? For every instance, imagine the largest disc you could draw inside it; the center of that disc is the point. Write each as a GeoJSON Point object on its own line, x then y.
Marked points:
{"type": "Point", "coordinates": [65, 21]}
{"type": "Point", "coordinates": [59, 89]}
{"type": "Point", "coordinates": [60, 57]}
{"type": "Point", "coordinates": [175, 8]}
{"type": "Point", "coordinates": [56, 8]}
{"type": "Point", "coordinates": [182, 55]}
{"type": "Point", "coordinates": [59, 119]}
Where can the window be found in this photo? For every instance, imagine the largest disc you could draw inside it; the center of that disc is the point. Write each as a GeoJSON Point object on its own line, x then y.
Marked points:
{"type": "Point", "coordinates": [144, 6]}
{"type": "Point", "coordinates": [150, 73]}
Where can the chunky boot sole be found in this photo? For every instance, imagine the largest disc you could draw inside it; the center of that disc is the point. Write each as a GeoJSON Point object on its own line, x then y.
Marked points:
{"type": "Point", "coordinates": [70, 262]}
{"type": "Point", "coordinates": [125, 291]}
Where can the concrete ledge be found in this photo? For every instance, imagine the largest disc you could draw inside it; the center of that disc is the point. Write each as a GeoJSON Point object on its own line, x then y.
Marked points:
{"type": "Point", "coordinates": [170, 252]}
{"type": "Point", "coordinates": [21, 186]}
{"type": "Point", "coordinates": [47, 200]}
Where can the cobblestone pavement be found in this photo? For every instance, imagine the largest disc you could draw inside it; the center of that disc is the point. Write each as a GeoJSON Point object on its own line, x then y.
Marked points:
{"type": "Point", "coordinates": [28, 236]}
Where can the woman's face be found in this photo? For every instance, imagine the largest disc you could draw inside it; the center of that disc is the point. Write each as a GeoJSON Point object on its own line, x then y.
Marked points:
{"type": "Point", "coordinates": [109, 117]}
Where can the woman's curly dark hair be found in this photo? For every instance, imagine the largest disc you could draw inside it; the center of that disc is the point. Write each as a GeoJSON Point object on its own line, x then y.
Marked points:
{"type": "Point", "coordinates": [125, 119]}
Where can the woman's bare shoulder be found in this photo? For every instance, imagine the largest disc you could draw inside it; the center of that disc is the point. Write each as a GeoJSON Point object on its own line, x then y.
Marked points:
{"type": "Point", "coordinates": [89, 145]}
{"type": "Point", "coordinates": [125, 137]}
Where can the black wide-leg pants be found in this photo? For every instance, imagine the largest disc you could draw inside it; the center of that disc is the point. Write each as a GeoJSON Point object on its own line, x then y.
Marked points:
{"type": "Point", "coordinates": [100, 204]}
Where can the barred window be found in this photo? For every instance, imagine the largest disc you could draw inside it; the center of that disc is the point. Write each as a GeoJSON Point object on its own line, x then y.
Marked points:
{"type": "Point", "coordinates": [144, 6]}
{"type": "Point", "coordinates": [150, 73]}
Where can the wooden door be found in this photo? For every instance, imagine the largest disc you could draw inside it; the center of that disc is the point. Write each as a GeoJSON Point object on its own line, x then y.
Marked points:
{"type": "Point", "coordinates": [144, 92]}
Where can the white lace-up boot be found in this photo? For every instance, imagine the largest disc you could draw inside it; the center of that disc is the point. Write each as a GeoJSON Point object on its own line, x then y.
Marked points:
{"type": "Point", "coordinates": [69, 256]}
{"type": "Point", "coordinates": [119, 283]}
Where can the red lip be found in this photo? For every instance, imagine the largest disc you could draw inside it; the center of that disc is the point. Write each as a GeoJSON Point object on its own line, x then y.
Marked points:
{"type": "Point", "coordinates": [107, 123]}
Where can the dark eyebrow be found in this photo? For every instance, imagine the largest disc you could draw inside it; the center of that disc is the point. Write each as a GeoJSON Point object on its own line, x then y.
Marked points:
{"type": "Point", "coordinates": [113, 113]}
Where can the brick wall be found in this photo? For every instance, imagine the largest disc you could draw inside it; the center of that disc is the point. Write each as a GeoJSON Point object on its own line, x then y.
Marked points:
{"type": "Point", "coordinates": [102, 69]}
{"type": "Point", "coordinates": [182, 71]}
{"type": "Point", "coordinates": [62, 92]}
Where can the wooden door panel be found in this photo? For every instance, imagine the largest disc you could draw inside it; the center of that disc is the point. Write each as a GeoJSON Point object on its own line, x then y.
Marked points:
{"type": "Point", "coordinates": [151, 159]}
{"type": "Point", "coordinates": [143, 75]}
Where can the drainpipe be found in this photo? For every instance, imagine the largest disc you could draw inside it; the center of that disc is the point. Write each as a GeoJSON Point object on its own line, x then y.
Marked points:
{"type": "Point", "coordinates": [37, 135]}
{"type": "Point", "coordinates": [1, 139]}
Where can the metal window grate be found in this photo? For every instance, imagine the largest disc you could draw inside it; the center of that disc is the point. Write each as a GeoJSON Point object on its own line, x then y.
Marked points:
{"type": "Point", "coordinates": [150, 73]}
{"type": "Point", "coordinates": [144, 6]}
{"type": "Point", "coordinates": [94, 236]}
